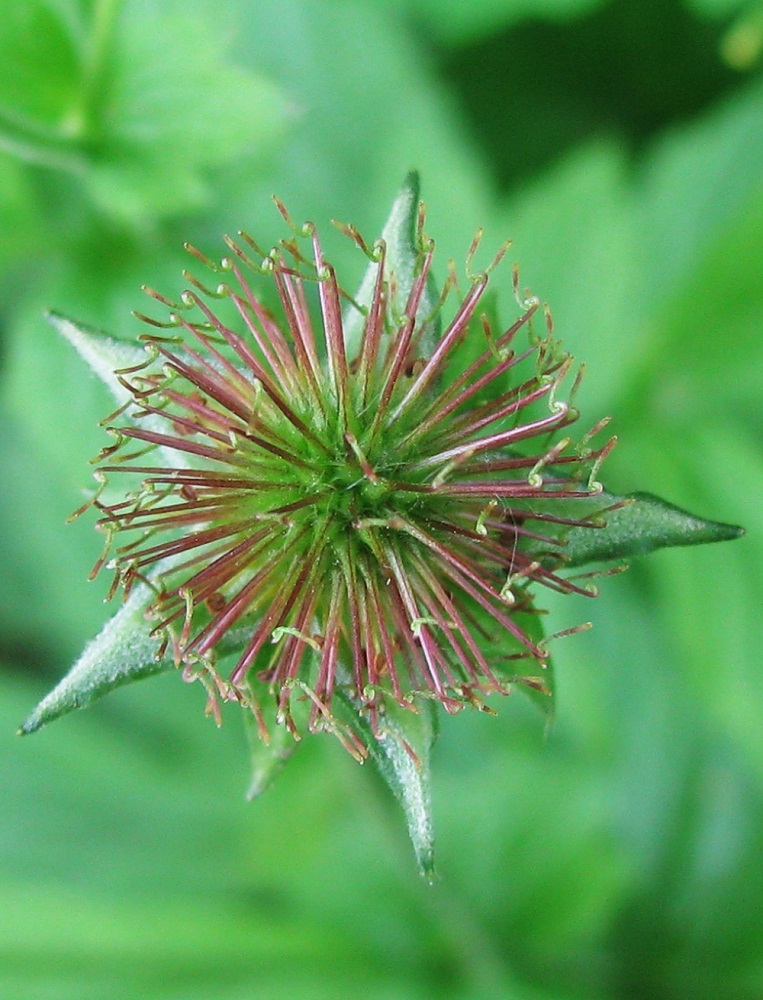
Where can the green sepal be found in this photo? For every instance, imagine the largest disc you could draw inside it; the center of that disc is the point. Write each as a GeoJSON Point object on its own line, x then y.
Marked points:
{"type": "Point", "coordinates": [108, 357]}
{"type": "Point", "coordinates": [536, 680]}
{"type": "Point", "coordinates": [103, 353]}
{"type": "Point", "coordinates": [404, 254]}
{"type": "Point", "coordinates": [267, 757]}
{"type": "Point", "coordinates": [402, 753]}
{"type": "Point", "coordinates": [640, 523]}
{"type": "Point", "coordinates": [121, 653]}
{"type": "Point", "coordinates": [509, 660]}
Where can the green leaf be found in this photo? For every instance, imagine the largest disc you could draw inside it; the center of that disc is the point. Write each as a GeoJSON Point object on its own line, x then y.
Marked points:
{"type": "Point", "coordinates": [457, 23]}
{"type": "Point", "coordinates": [402, 751]}
{"type": "Point", "coordinates": [697, 183]}
{"type": "Point", "coordinates": [23, 231]}
{"type": "Point", "coordinates": [121, 653]}
{"type": "Point", "coordinates": [718, 8]}
{"type": "Point", "coordinates": [403, 241]}
{"type": "Point", "coordinates": [573, 230]}
{"type": "Point", "coordinates": [39, 67]}
{"type": "Point", "coordinates": [643, 524]}
{"type": "Point", "coordinates": [173, 105]}
{"type": "Point", "coordinates": [103, 353]}
{"type": "Point", "coordinates": [139, 103]}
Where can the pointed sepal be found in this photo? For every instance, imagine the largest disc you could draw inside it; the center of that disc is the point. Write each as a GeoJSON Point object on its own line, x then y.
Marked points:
{"type": "Point", "coordinates": [637, 524]}
{"type": "Point", "coordinates": [121, 653]}
{"type": "Point", "coordinates": [534, 678]}
{"type": "Point", "coordinates": [103, 353]}
{"type": "Point", "coordinates": [401, 749]}
{"type": "Point", "coordinates": [270, 747]}
{"type": "Point", "coordinates": [405, 246]}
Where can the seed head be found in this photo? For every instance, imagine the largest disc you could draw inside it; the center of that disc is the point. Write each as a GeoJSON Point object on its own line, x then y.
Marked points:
{"type": "Point", "coordinates": [358, 497]}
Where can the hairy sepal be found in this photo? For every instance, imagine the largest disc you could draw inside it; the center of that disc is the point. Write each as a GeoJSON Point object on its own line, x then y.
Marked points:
{"type": "Point", "coordinates": [267, 757]}
{"type": "Point", "coordinates": [123, 652]}
{"type": "Point", "coordinates": [401, 749]}
{"type": "Point", "coordinates": [637, 524]}
{"type": "Point", "coordinates": [103, 354]}
{"type": "Point", "coordinates": [403, 241]}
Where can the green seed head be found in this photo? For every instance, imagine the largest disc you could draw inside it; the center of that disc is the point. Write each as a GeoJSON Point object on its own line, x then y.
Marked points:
{"type": "Point", "coordinates": [364, 498]}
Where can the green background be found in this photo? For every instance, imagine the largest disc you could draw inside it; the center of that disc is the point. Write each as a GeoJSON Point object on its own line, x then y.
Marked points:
{"type": "Point", "coordinates": [620, 145]}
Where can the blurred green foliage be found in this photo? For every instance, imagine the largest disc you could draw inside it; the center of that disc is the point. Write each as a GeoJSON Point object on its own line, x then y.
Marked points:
{"type": "Point", "coordinates": [616, 859]}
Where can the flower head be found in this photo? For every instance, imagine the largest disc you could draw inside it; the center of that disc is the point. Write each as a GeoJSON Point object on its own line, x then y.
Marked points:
{"type": "Point", "coordinates": [356, 495]}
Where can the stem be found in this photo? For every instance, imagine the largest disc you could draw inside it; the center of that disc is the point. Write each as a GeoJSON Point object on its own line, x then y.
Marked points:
{"type": "Point", "coordinates": [481, 963]}
{"type": "Point", "coordinates": [85, 116]}
{"type": "Point", "coordinates": [41, 147]}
